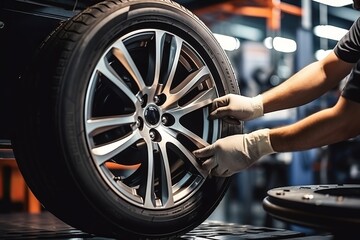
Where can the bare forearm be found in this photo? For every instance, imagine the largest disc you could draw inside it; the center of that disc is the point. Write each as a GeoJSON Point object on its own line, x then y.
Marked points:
{"type": "Point", "coordinates": [322, 128]}
{"type": "Point", "coordinates": [307, 84]}
{"type": "Point", "coordinates": [296, 91]}
{"type": "Point", "coordinates": [311, 132]}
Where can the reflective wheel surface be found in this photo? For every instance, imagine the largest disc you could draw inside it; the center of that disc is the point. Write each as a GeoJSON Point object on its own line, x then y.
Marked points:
{"type": "Point", "coordinates": [142, 123]}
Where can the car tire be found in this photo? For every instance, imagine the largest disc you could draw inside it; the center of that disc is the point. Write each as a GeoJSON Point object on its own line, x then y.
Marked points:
{"type": "Point", "coordinates": [109, 113]}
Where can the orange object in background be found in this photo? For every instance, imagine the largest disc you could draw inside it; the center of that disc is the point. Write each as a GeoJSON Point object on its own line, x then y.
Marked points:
{"type": "Point", "coordinates": [269, 9]}
{"type": "Point", "coordinates": [15, 192]}
{"type": "Point", "coordinates": [13, 189]}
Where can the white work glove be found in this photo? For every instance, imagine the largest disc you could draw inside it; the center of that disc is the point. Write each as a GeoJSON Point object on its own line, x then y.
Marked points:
{"type": "Point", "coordinates": [234, 153]}
{"type": "Point", "coordinates": [232, 108]}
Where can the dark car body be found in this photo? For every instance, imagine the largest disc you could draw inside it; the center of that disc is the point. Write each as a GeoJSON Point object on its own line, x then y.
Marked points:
{"type": "Point", "coordinates": [23, 26]}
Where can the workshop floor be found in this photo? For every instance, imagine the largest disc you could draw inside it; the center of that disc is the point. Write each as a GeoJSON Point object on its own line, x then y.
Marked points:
{"type": "Point", "coordinates": [46, 226]}
{"type": "Point", "coordinates": [231, 220]}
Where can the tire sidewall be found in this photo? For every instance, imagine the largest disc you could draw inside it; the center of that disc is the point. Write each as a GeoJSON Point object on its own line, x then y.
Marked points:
{"type": "Point", "coordinates": [70, 105]}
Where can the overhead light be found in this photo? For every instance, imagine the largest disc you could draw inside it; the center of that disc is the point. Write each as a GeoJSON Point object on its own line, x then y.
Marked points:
{"type": "Point", "coordinates": [330, 32]}
{"type": "Point", "coordinates": [246, 32]}
{"type": "Point", "coordinates": [268, 42]}
{"type": "Point", "coordinates": [238, 30]}
{"type": "Point", "coordinates": [228, 43]}
{"type": "Point", "coordinates": [280, 44]}
{"type": "Point", "coordinates": [335, 3]}
{"type": "Point", "coordinates": [321, 53]}
{"type": "Point", "coordinates": [284, 45]}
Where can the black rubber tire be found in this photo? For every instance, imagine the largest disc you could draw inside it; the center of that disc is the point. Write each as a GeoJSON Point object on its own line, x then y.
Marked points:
{"type": "Point", "coordinates": [50, 144]}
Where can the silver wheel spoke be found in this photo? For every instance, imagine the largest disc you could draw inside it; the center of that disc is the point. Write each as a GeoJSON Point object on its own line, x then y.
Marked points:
{"type": "Point", "coordinates": [166, 181]}
{"type": "Point", "coordinates": [107, 151]}
{"type": "Point", "coordinates": [170, 136]}
{"type": "Point", "coordinates": [122, 54]}
{"type": "Point", "coordinates": [100, 125]}
{"type": "Point", "coordinates": [175, 50]}
{"type": "Point", "coordinates": [191, 158]}
{"type": "Point", "coordinates": [198, 141]}
{"type": "Point", "coordinates": [159, 49]}
{"type": "Point", "coordinates": [185, 86]}
{"type": "Point", "coordinates": [149, 201]}
{"type": "Point", "coordinates": [200, 101]}
{"type": "Point", "coordinates": [103, 67]}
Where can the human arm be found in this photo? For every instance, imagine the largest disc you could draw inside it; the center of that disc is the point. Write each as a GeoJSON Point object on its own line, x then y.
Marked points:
{"type": "Point", "coordinates": [304, 86]}
{"type": "Point", "coordinates": [237, 152]}
{"type": "Point", "coordinates": [308, 84]}
{"type": "Point", "coordinates": [328, 126]}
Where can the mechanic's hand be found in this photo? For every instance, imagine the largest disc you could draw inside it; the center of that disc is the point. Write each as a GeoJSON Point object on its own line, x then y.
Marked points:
{"type": "Point", "coordinates": [232, 154]}
{"type": "Point", "coordinates": [232, 108]}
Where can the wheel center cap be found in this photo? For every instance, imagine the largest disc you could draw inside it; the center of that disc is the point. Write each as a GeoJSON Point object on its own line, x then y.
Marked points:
{"type": "Point", "coordinates": [152, 114]}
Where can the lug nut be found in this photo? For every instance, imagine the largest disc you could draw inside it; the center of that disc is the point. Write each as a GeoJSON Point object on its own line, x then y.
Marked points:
{"type": "Point", "coordinates": [156, 99]}
{"type": "Point", "coordinates": [142, 100]}
{"type": "Point", "coordinates": [159, 99]}
{"type": "Point", "coordinates": [167, 120]}
{"type": "Point", "coordinates": [152, 135]}
{"type": "Point", "coordinates": [164, 120]}
{"type": "Point", "coordinates": [138, 124]}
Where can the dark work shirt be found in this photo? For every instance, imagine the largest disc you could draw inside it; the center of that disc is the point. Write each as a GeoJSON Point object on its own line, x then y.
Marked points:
{"type": "Point", "coordinates": [348, 50]}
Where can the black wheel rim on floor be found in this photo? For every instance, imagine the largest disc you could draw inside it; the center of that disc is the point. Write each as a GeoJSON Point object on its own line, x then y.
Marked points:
{"type": "Point", "coordinates": [332, 208]}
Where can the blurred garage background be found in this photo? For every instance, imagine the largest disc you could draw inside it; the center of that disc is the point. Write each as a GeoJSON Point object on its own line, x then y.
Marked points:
{"type": "Point", "coordinates": [267, 41]}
